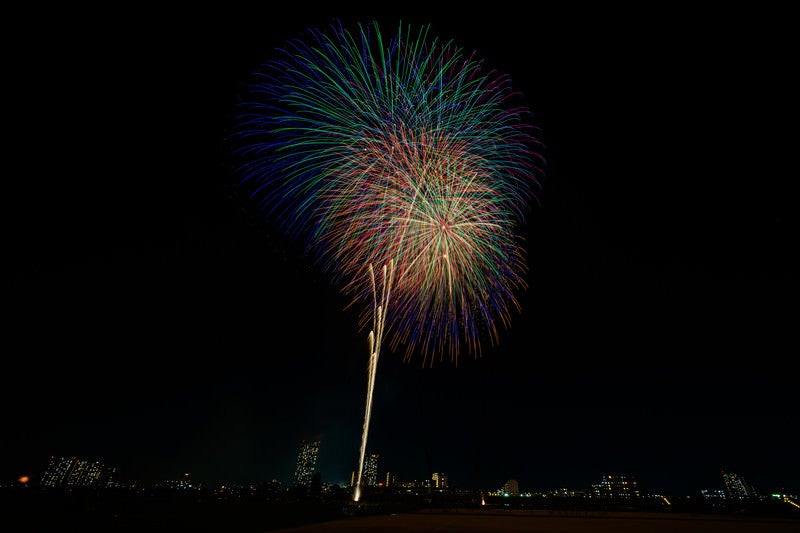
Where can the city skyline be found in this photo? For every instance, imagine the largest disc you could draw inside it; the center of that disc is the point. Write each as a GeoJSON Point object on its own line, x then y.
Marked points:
{"type": "Point", "coordinates": [160, 324]}
{"type": "Point", "coordinates": [185, 504]}
{"type": "Point", "coordinates": [66, 472]}
{"type": "Point", "coordinates": [612, 487]}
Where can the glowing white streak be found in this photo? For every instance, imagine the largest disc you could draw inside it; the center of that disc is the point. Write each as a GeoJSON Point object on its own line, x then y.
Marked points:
{"type": "Point", "coordinates": [375, 339]}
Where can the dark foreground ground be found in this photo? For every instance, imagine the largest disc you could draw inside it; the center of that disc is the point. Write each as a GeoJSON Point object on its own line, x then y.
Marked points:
{"type": "Point", "coordinates": [28, 511]}
{"type": "Point", "coordinates": [546, 522]}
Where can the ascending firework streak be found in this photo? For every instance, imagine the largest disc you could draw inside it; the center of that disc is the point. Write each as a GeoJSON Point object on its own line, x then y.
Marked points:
{"type": "Point", "coordinates": [375, 338]}
{"type": "Point", "coordinates": [403, 153]}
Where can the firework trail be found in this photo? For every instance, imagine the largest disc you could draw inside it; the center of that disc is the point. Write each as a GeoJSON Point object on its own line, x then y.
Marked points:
{"type": "Point", "coordinates": [404, 152]}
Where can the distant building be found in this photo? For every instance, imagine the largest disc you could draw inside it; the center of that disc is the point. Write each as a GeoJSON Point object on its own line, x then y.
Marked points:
{"type": "Point", "coordinates": [714, 497]}
{"type": "Point", "coordinates": [109, 478]}
{"type": "Point", "coordinates": [736, 488]}
{"type": "Point", "coordinates": [511, 487]}
{"type": "Point", "coordinates": [85, 474]}
{"type": "Point", "coordinates": [271, 487]}
{"type": "Point", "coordinates": [616, 487]}
{"type": "Point", "coordinates": [306, 463]}
{"type": "Point", "coordinates": [183, 484]}
{"type": "Point", "coordinates": [439, 480]}
{"type": "Point", "coordinates": [713, 494]}
{"type": "Point", "coordinates": [75, 473]}
{"type": "Point", "coordinates": [371, 470]}
{"type": "Point", "coordinates": [55, 475]}
{"type": "Point", "coordinates": [391, 479]}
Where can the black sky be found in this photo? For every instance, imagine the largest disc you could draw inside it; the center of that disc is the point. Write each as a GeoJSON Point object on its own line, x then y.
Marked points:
{"type": "Point", "coordinates": [157, 323]}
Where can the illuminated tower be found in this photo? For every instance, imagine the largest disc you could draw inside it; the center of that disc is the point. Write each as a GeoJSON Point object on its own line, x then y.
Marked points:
{"type": "Point", "coordinates": [439, 480]}
{"type": "Point", "coordinates": [371, 470]}
{"type": "Point", "coordinates": [85, 474]}
{"type": "Point", "coordinates": [72, 472]}
{"type": "Point", "coordinates": [511, 487]}
{"type": "Point", "coordinates": [306, 463]}
{"type": "Point", "coordinates": [55, 475]}
{"type": "Point", "coordinates": [736, 488]}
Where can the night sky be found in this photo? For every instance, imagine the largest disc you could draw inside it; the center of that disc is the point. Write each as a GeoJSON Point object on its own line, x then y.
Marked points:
{"type": "Point", "coordinates": [156, 322]}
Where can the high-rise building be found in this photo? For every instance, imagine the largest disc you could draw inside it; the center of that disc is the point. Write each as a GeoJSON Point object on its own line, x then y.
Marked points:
{"type": "Point", "coordinates": [736, 488]}
{"type": "Point", "coordinates": [306, 463]}
{"type": "Point", "coordinates": [72, 472]}
{"type": "Point", "coordinates": [371, 470]}
{"type": "Point", "coordinates": [439, 480]}
{"type": "Point", "coordinates": [85, 474]}
{"type": "Point", "coordinates": [511, 487]}
{"type": "Point", "coordinates": [616, 487]}
{"type": "Point", "coordinates": [55, 475]}
{"type": "Point", "coordinates": [391, 479]}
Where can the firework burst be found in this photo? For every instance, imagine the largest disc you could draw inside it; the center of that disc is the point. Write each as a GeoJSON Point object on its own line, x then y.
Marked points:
{"type": "Point", "coordinates": [406, 150]}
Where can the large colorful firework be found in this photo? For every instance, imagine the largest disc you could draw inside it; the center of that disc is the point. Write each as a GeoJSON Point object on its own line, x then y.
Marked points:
{"type": "Point", "coordinates": [405, 149]}
{"type": "Point", "coordinates": [407, 155]}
